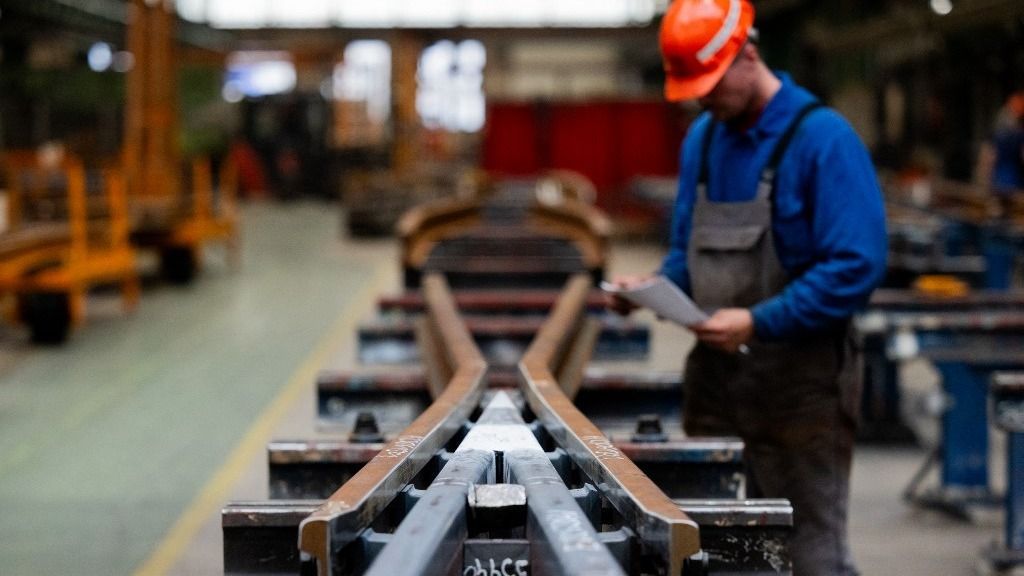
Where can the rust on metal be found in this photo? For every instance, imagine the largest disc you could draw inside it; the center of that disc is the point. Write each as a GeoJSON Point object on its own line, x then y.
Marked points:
{"type": "Point", "coordinates": [425, 225]}
{"type": "Point", "coordinates": [414, 379]}
{"type": "Point", "coordinates": [660, 524]}
{"type": "Point", "coordinates": [585, 225]}
{"type": "Point", "coordinates": [352, 508]}
{"type": "Point", "coordinates": [484, 301]}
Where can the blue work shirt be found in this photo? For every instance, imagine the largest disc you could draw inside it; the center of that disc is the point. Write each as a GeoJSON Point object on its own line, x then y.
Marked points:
{"type": "Point", "coordinates": [828, 218]}
{"type": "Point", "coordinates": [1008, 172]}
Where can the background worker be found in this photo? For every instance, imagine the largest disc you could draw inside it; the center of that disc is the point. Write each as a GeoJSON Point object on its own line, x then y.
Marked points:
{"type": "Point", "coordinates": [779, 229]}
{"type": "Point", "coordinates": [1001, 161]}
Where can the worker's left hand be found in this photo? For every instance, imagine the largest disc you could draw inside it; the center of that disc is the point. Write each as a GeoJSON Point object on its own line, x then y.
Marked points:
{"type": "Point", "coordinates": [727, 329]}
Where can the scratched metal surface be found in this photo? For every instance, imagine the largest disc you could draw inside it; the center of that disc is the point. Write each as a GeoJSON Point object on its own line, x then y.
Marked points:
{"type": "Point", "coordinates": [352, 508]}
{"type": "Point", "coordinates": [660, 525]}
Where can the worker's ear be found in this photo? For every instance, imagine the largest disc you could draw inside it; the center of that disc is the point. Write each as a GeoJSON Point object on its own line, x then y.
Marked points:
{"type": "Point", "coordinates": [750, 52]}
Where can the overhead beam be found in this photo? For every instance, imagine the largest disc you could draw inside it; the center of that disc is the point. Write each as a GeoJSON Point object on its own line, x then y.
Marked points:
{"type": "Point", "coordinates": [904, 21]}
{"type": "Point", "coordinates": [109, 18]}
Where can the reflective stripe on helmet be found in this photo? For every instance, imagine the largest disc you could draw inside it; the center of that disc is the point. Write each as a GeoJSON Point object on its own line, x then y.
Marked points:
{"type": "Point", "coordinates": [716, 43]}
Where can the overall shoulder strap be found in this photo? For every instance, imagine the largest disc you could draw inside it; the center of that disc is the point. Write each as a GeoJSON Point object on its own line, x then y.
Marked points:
{"type": "Point", "coordinates": [709, 134]}
{"type": "Point", "coordinates": [766, 183]}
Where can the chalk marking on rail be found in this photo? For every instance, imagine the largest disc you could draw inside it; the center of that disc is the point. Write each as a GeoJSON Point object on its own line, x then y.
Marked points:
{"type": "Point", "coordinates": [218, 489]}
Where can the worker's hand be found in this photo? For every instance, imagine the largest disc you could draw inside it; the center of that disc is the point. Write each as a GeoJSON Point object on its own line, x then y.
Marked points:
{"type": "Point", "coordinates": [728, 329]}
{"type": "Point", "coordinates": [619, 304]}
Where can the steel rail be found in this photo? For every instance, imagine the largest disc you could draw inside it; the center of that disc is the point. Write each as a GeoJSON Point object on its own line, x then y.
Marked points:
{"type": "Point", "coordinates": [430, 538]}
{"type": "Point", "coordinates": [352, 508]}
{"type": "Point", "coordinates": [422, 227]}
{"type": "Point", "coordinates": [663, 528]}
{"type": "Point", "coordinates": [586, 226]}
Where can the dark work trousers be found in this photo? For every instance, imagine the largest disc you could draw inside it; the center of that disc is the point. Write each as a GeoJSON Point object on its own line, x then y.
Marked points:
{"type": "Point", "coordinates": [793, 403]}
{"type": "Point", "coordinates": [793, 406]}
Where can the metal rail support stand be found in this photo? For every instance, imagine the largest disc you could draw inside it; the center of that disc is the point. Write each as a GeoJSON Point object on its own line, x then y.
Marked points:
{"type": "Point", "coordinates": [1000, 255]}
{"type": "Point", "coordinates": [880, 419]}
{"type": "Point", "coordinates": [986, 320]}
{"type": "Point", "coordinates": [962, 453]}
{"type": "Point", "coordinates": [963, 449]}
{"type": "Point", "coordinates": [1008, 411]}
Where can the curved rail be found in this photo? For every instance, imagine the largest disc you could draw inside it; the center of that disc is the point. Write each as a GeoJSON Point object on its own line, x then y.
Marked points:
{"type": "Point", "coordinates": [660, 524]}
{"type": "Point", "coordinates": [425, 225]}
{"type": "Point", "coordinates": [526, 216]}
{"type": "Point", "coordinates": [586, 226]}
{"type": "Point", "coordinates": [351, 509]}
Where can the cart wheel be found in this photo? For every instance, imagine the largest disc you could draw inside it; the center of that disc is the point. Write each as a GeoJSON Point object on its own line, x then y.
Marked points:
{"type": "Point", "coordinates": [48, 315]}
{"type": "Point", "coordinates": [178, 265]}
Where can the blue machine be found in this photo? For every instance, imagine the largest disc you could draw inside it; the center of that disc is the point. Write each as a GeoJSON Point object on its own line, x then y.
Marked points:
{"type": "Point", "coordinates": [966, 348]}
{"type": "Point", "coordinates": [1008, 411]}
{"type": "Point", "coordinates": [927, 237]}
{"type": "Point", "coordinates": [1001, 245]}
{"type": "Point", "coordinates": [881, 419]}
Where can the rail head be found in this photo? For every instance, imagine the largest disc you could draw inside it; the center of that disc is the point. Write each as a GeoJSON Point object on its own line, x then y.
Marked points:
{"type": "Point", "coordinates": [585, 225]}
{"type": "Point", "coordinates": [352, 508]}
{"type": "Point", "coordinates": [660, 524]}
{"type": "Point", "coordinates": [421, 227]}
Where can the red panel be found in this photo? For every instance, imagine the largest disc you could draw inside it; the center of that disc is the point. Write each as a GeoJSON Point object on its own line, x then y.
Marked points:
{"type": "Point", "coordinates": [583, 139]}
{"type": "Point", "coordinates": [649, 139]}
{"type": "Point", "coordinates": [609, 142]}
{"type": "Point", "coordinates": [510, 144]}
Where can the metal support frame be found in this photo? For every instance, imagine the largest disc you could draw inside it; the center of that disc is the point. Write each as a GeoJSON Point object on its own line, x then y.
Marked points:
{"type": "Point", "coordinates": [1008, 411]}
{"type": "Point", "coordinates": [712, 468]}
{"type": "Point", "coordinates": [429, 539]}
{"type": "Point", "coordinates": [563, 540]}
{"type": "Point", "coordinates": [745, 537]}
{"type": "Point", "coordinates": [502, 340]}
{"type": "Point", "coordinates": [881, 420]}
{"type": "Point", "coordinates": [668, 533]}
{"type": "Point", "coordinates": [963, 450]}
{"type": "Point", "coordinates": [966, 347]}
{"type": "Point", "coordinates": [353, 507]}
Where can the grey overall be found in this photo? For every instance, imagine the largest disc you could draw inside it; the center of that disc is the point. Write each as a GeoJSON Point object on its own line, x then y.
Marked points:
{"type": "Point", "coordinates": [794, 402]}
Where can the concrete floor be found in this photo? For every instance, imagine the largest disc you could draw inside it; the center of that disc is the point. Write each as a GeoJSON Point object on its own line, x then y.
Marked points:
{"type": "Point", "coordinates": [118, 450]}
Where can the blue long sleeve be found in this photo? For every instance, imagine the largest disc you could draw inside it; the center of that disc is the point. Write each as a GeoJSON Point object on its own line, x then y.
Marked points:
{"type": "Point", "coordinates": [848, 243]}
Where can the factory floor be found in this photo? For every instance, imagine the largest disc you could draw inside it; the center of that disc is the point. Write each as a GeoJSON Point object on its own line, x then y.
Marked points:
{"type": "Point", "coordinates": [118, 449]}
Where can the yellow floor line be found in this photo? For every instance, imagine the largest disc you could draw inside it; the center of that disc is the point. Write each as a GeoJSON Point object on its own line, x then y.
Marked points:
{"type": "Point", "coordinates": [218, 489]}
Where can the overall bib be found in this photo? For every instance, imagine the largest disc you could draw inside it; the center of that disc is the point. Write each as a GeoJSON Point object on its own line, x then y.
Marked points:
{"type": "Point", "coordinates": [794, 403]}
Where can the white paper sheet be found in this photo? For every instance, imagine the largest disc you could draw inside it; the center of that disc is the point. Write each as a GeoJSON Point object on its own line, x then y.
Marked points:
{"type": "Point", "coordinates": [664, 298]}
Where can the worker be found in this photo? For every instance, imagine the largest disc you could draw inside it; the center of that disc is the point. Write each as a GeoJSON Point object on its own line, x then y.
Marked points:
{"type": "Point", "coordinates": [779, 232]}
{"type": "Point", "coordinates": [1001, 161]}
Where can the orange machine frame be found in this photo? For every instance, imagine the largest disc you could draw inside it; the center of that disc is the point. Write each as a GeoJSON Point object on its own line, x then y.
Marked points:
{"type": "Point", "coordinates": [69, 257]}
{"type": "Point", "coordinates": [152, 156]}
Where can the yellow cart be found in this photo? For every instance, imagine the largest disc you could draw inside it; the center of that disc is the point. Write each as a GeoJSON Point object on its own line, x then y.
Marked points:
{"type": "Point", "coordinates": [64, 239]}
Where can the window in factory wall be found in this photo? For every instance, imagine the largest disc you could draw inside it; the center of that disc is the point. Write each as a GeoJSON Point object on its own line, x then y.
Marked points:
{"type": "Point", "coordinates": [361, 90]}
{"type": "Point", "coordinates": [450, 92]}
{"type": "Point", "coordinates": [418, 13]}
{"type": "Point", "coordinates": [257, 74]}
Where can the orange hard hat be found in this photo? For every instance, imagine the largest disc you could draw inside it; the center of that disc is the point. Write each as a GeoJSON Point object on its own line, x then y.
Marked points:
{"type": "Point", "coordinates": [699, 40]}
{"type": "Point", "coordinates": [1016, 104]}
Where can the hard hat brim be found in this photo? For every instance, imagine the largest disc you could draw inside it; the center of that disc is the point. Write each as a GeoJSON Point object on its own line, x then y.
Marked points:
{"type": "Point", "coordinates": [680, 88]}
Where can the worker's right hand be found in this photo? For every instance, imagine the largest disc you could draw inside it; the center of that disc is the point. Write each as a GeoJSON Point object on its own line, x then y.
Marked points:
{"type": "Point", "coordinates": [619, 304]}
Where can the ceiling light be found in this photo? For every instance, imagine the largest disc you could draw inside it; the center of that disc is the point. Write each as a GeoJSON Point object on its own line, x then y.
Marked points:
{"type": "Point", "coordinates": [100, 56]}
{"type": "Point", "coordinates": [941, 7]}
